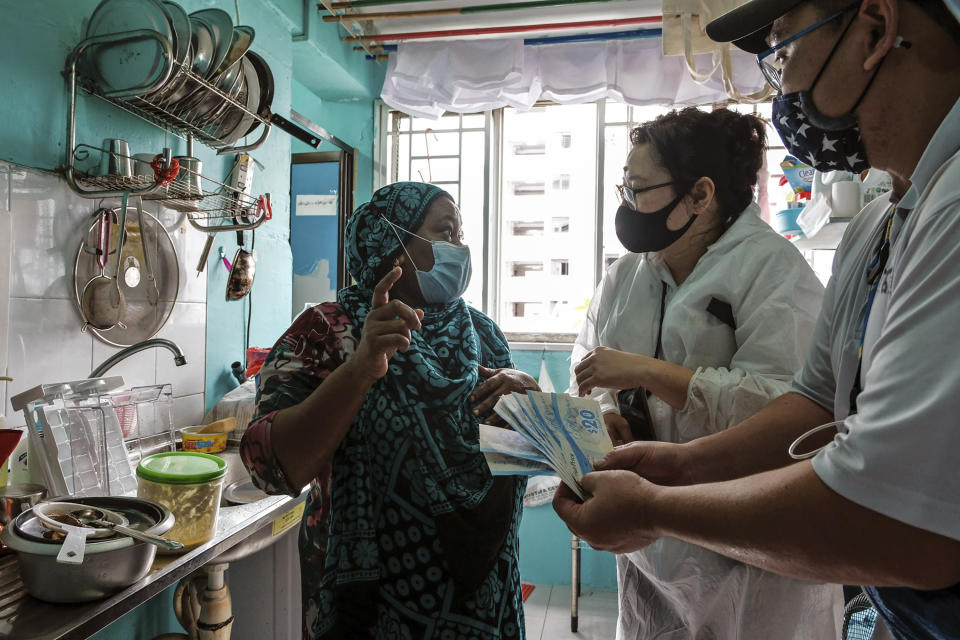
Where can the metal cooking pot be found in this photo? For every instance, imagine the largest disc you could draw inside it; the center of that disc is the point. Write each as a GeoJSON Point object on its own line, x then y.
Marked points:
{"type": "Point", "coordinates": [109, 565]}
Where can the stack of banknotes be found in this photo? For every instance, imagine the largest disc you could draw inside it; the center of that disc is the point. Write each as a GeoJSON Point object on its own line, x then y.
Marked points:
{"type": "Point", "coordinates": [552, 433]}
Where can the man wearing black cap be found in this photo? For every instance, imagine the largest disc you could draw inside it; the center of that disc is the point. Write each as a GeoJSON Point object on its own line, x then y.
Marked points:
{"type": "Point", "coordinates": [861, 83]}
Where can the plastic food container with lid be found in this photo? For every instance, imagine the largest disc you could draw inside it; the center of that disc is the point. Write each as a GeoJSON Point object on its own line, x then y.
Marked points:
{"type": "Point", "coordinates": [189, 485]}
{"type": "Point", "coordinates": [203, 442]}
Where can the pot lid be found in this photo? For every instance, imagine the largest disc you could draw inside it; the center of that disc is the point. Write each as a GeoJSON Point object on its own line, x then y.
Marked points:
{"type": "Point", "coordinates": [182, 467]}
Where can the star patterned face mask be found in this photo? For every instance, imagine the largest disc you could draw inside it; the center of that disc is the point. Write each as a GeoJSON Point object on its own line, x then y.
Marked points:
{"type": "Point", "coordinates": [824, 149]}
{"type": "Point", "coordinates": [824, 142]}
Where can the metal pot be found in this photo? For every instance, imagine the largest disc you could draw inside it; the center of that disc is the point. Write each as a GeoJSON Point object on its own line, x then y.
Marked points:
{"type": "Point", "coordinates": [109, 565]}
{"type": "Point", "coordinates": [141, 164]}
{"type": "Point", "coordinates": [187, 183]}
{"type": "Point", "coordinates": [17, 498]}
{"type": "Point", "coordinates": [116, 159]}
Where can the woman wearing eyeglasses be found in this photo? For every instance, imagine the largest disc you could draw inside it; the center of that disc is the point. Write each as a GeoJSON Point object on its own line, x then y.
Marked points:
{"type": "Point", "coordinates": [699, 326]}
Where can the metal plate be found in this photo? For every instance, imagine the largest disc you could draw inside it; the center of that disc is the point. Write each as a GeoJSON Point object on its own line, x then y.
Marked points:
{"type": "Point", "coordinates": [203, 49]}
{"type": "Point", "coordinates": [243, 492]}
{"type": "Point", "coordinates": [239, 45]}
{"type": "Point", "coordinates": [200, 60]}
{"type": "Point", "coordinates": [181, 29]}
{"type": "Point", "coordinates": [128, 64]}
{"type": "Point", "coordinates": [265, 83]}
{"type": "Point", "coordinates": [211, 105]}
{"type": "Point", "coordinates": [221, 28]}
{"type": "Point", "coordinates": [183, 49]}
{"type": "Point", "coordinates": [142, 319]}
{"type": "Point", "coordinates": [235, 122]}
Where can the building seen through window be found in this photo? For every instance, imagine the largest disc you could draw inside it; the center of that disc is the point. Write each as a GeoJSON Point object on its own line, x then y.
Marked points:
{"type": "Point", "coordinates": [538, 188]}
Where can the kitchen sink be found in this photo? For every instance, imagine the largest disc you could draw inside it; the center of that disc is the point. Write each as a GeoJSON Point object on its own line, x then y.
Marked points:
{"type": "Point", "coordinates": [260, 539]}
{"type": "Point", "coordinates": [236, 471]}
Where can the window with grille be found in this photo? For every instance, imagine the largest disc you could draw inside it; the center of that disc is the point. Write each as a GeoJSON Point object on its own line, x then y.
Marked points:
{"type": "Point", "coordinates": [537, 193]}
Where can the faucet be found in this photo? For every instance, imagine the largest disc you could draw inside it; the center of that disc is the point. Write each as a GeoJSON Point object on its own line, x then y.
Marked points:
{"type": "Point", "coordinates": [178, 356]}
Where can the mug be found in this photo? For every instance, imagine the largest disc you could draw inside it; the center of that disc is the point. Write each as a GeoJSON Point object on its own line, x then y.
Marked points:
{"type": "Point", "coordinates": [845, 199]}
{"type": "Point", "coordinates": [116, 160]}
{"type": "Point", "coordinates": [187, 183]}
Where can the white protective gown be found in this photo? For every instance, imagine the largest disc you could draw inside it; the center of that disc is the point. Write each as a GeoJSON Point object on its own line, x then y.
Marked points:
{"type": "Point", "coordinates": [675, 590]}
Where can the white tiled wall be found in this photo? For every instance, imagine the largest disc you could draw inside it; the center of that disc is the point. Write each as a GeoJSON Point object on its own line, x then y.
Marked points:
{"type": "Point", "coordinates": [45, 343]}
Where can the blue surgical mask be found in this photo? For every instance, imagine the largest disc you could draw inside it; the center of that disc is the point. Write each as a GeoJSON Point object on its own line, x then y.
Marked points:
{"type": "Point", "coordinates": [451, 271]}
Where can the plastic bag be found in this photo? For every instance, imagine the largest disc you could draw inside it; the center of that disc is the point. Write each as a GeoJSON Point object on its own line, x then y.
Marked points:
{"type": "Point", "coordinates": [255, 359]}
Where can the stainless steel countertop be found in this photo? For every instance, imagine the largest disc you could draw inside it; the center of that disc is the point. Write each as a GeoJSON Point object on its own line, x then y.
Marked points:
{"type": "Point", "coordinates": [23, 617]}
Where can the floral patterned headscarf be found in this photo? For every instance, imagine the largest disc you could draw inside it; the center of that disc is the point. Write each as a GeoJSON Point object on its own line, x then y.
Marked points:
{"type": "Point", "coordinates": [370, 241]}
{"type": "Point", "coordinates": [418, 417]}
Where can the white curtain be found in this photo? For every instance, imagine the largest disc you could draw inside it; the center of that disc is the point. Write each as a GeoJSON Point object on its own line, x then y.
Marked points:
{"type": "Point", "coordinates": [425, 79]}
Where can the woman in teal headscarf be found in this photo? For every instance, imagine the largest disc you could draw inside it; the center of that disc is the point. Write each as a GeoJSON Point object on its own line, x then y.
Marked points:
{"type": "Point", "coordinates": [375, 400]}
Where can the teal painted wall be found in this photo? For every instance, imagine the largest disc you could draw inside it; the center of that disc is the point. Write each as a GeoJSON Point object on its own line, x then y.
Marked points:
{"type": "Point", "coordinates": [351, 120]}
{"type": "Point", "coordinates": [544, 538]}
{"type": "Point", "coordinates": [271, 292]}
{"type": "Point", "coordinates": [336, 88]}
{"type": "Point", "coordinates": [322, 79]}
{"type": "Point", "coordinates": [340, 99]}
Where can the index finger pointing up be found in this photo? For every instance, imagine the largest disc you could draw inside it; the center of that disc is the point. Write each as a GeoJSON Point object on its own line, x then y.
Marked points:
{"type": "Point", "coordinates": [381, 293]}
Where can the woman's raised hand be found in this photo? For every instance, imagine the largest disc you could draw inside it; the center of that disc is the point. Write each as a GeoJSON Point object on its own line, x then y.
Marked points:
{"type": "Point", "coordinates": [388, 329]}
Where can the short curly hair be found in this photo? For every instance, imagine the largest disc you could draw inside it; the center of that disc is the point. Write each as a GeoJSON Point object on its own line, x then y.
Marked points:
{"type": "Point", "coordinates": [723, 145]}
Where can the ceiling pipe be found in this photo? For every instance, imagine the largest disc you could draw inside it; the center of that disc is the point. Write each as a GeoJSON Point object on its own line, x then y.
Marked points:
{"type": "Point", "coordinates": [359, 4]}
{"type": "Point", "coordinates": [535, 42]}
{"type": "Point", "coordinates": [457, 11]}
{"type": "Point", "coordinates": [595, 37]}
{"type": "Point", "coordinates": [526, 28]}
{"type": "Point", "coordinates": [357, 17]}
{"type": "Point", "coordinates": [353, 34]}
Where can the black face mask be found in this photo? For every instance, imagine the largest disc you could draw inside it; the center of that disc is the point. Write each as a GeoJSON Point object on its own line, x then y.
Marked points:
{"type": "Point", "coordinates": [641, 232]}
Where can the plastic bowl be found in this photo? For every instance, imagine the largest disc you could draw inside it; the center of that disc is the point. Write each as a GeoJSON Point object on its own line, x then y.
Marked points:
{"type": "Point", "coordinates": [784, 222]}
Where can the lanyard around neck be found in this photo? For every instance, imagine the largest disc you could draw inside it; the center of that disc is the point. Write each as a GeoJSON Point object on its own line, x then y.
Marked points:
{"type": "Point", "coordinates": [881, 254]}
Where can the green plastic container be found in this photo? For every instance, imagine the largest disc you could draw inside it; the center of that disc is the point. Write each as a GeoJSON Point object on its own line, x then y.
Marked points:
{"type": "Point", "coordinates": [189, 484]}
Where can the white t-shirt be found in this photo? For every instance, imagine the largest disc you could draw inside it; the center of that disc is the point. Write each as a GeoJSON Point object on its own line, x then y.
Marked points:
{"type": "Point", "coordinates": [899, 454]}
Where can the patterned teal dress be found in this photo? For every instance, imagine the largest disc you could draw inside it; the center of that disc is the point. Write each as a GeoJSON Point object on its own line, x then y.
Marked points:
{"type": "Point", "coordinates": [405, 534]}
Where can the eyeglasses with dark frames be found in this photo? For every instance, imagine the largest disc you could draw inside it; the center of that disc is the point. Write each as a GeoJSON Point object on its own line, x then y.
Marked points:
{"type": "Point", "coordinates": [770, 70]}
{"type": "Point", "coordinates": [629, 195]}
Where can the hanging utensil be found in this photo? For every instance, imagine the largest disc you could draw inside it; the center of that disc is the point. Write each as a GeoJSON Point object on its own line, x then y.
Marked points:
{"type": "Point", "coordinates": [101, 302]}
{"type": "Point", "coordinates": [205, 254]}
{"type": "Point", "coordinates": [241, 275]}
{"type": "Point", "coordinates": [141, 320]}
{"type": "Point", "coordinates": [153, 293]}
{"type": "Point", "coordinates": [121, 236]}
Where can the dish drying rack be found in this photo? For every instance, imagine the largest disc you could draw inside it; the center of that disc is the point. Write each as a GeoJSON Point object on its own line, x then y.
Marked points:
{"type": "Point", "coordinates": [207, 202]}
{"type": "Point", "coordinates": [215, 201]}
{"type": "Point", "coordinates": [89, 435]}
